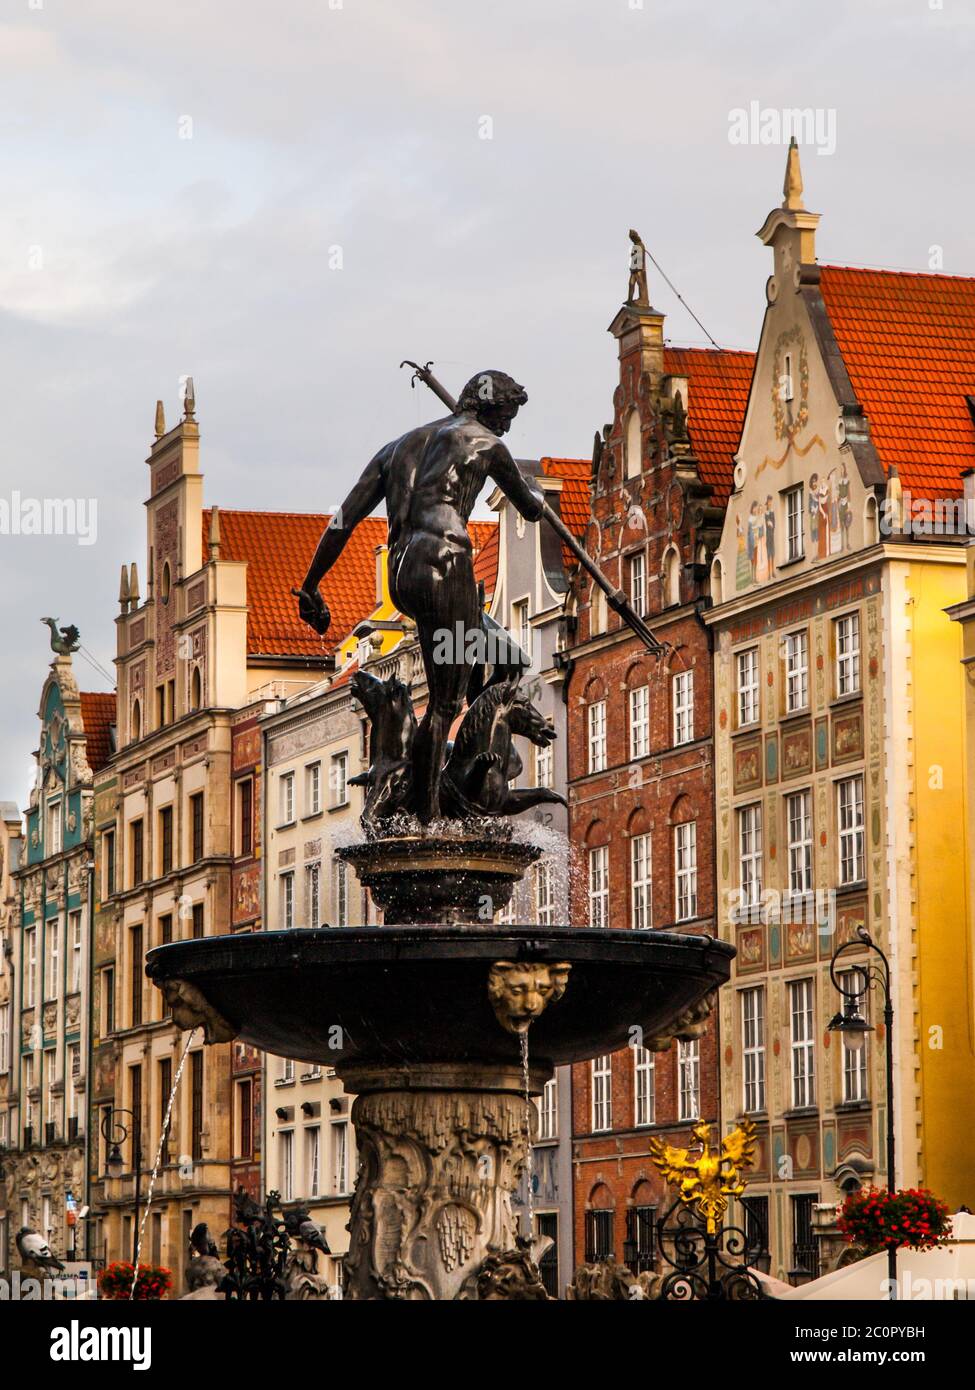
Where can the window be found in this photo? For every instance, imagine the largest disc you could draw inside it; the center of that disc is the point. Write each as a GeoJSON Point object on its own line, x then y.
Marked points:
{"type": "Point", "coordinates": [796, 671]}
{"type": "Point", "coordinates": [197, 928]}
{"type": "Point", "coordinates": [689, 1079]}
{"type": "Point", "coordinates": [54, 823]}
{"type": "Point", "coordinates": [52, 963]}
{"type": "Point", "coordinates": [640, 721]}
{"type": "Point", "coordinates": [685, 863]}
{"type": "Point", "coordinates": [544, 894]}
{"type": "Point", "coordinates": [245, 1119]}
{"type": "Point", "coordinates": [753, 1047]}
{"type": "Point", "coordinates": [803, 1044]}
{"type": "Point", "coordinates": [340, 893]}
{"type": "Point", "coordinates": [313, 876]}
{"type": "Point", "coordinates": [286, 1071]}
{"type": "Point", "coordinates": [642, 890]}
{"type": "Point", "coordinates": [520, 625]}
{"type": "Point", "coordinates": [30, 967]}
{"type": "Point", "coordinates": [4, 1043]}
{"type": "Point", "coordinates": [340, 779]}
{"type": "Point", "coordinates": [632, 449]}
{"type": "Point", "coordinates": [196, 821]}
{"type": "Point", "coordinates": [313, 789]}
{"type": "Point", "coordinates": [638, 583]}
{"type": "Point", "coordinates": [785, 380]}
{"type": "Point", "coordinates": [847, 641]}
{"type": "Point", "coordinates": [166, 840]}
{"type": "Point", "coordinates": [196, 689]}
{"type": "Point", "coordinates": [138, 848]}
{"type": "Point", "coordinates": [850, 799]}
{"type": "Point", "coordinates": [28, 1104]}
{"type": "Point", "coordinates": [108, 1001]}
{"type": "Point", "coordinates": [599, 886]}
{"type": "Point", "coordinates": [548, 1110]}
{"type": "Point", "coordinates": [287, 901]}
{"type": "Point", "coordinates": [671, 579]}
{"type": "Point", "coordinates": [313, 1160]}
{"type": "Point", "coordinates": [135, 1105]}
{"type": "Point", "coordinates": [543, 766]}
{"type": "Point", "coordinates": [643, 1093]}
{"type": "Point", "coordinates": [166, 929]}
{"type": "Point", "coordinates": [245, 806]}
{"type": "Point", "coordinates": [798, 810]}
{"type": "Point", "coordinates": [74, 938]}
{"type": "Point", "coordinates": [804, 1252]}
{"type": "Point", "coordinates": [135, 976]}
{"type": "Point", "coordinates": [794, 520]}
{"type": "Point", "coordinates": [196, 1106]}
{"type": "Point", "coordinates": [286, 789]}
{"type": "Point", "coordinates": [756, 1226]}
{"type": "Point", "coordinates": [547, 1224]}
{"type": "Point", "coordinates": [286, 1164]}
{"type": "Point", "coordinates": [748, 689]}
{"type": "Point", "coordinates": [640, 1236]}
{"type": "Point", "coordinates": [750, 855]}
{"type": "Point", "coordinates": [160, 706]}
{"type": "Point", "coordinates": [340, 1157]}
{"type": "Point", "coordinates": [854, 1058]}
{"type": "Point", "coordinates": [165, 1091]}
{"type": "Point", "coordinates": [136, 721]}
{"type": "Point", "coordinates": [602, 1093]}
{"type": "Point", "coordinates": [683, 707]}
{"type": "Point", "coordinates": [597, 736]}
{"type": "Point", "coordinates": [599, 1234]}
{"type": "Point", "coordinates": [108, 848]}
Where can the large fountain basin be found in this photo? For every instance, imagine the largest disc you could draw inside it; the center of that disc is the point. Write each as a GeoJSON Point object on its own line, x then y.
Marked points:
{"type": "Point", "coordinates": [403, 996]}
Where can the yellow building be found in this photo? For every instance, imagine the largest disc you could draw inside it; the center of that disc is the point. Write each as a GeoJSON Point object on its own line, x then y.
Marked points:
{"type": "Point", "coordinates": [840, 733]}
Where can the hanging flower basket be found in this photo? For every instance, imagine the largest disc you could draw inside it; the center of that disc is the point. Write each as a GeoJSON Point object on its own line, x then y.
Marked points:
{"type": "Point", "coordinates": [874, 1219]}
{"type": "Point", "coordinates": [115, 1281]}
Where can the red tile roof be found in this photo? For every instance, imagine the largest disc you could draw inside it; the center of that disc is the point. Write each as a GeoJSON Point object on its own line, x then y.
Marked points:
{"type": "Point", "coordinates": [908, 342]}
{"type": "Point", "coordinates": [97, 715]}
{"type": "Point", "coordinates": [573, 499]}
{"type": "Point", "coordinates": [718, 383]}
{"type": "Point", "coordinates": [486, 563]}
{"type": "Point", "coordinates": [278, 547]}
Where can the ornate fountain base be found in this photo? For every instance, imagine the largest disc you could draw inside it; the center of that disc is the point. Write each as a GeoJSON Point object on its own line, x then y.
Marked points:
{"type": "Point", "coordinates": [442, 1148]}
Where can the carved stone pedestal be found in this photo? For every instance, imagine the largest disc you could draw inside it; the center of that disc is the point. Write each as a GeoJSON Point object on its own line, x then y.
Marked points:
{"type": "Point", "coordinates": [442, 1148]}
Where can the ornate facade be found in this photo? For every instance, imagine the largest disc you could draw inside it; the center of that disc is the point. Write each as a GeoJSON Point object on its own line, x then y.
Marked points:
{"type": "Point", "coordinates": [46, 1015]}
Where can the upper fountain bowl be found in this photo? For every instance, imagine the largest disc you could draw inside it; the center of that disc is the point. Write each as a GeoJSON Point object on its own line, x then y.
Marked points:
{"type": "Point", "coordinates": [395, 997]}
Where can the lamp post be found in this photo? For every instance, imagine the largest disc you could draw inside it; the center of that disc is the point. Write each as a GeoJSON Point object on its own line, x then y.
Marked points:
{"type": "Point", "coordinates": [854, 1027]}
{"type": "Point", "coordinates": [115, 1132]}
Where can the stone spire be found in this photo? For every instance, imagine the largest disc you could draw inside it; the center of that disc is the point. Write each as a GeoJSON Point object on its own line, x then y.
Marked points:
{"type": "Point", "coordinates": [792, 188]}
{"type": "Point", "coordinates": [160, 420]}
{"type": "Point", "coordinates": [123, 590]}
{"type": "Point", "coordinates": [215, 533]}
{"type": "Point", "coordinates": [189, 400]}
{"type": "Point", "coordinates": [134, 586]}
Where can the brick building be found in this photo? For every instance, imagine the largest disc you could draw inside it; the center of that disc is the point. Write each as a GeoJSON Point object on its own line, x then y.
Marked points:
{"type": "Point", "coordinates": [640, 743]}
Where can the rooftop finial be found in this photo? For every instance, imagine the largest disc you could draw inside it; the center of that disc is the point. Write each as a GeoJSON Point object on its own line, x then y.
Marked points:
{"type": "Point", "coordinates": [134, 585]}
{"type": "Point", "coordinates": [123, 590]}
{"type": "Point", "coordinates": [637, 292]}
{"type": "Point", "coordinates": [189, 400]}
{"type": "Point", "coordinates": [160, 420]}
{"type": "Point", "coordinates": [792, 188]}
{"type": "Point", "coordinates": [215, 533]}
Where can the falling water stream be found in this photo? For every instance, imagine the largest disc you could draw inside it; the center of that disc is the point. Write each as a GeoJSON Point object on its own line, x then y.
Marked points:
{"type": "Point", "coordinates": [530, 1160]}
{"type": "Point", "coordinates": [155, 1167]}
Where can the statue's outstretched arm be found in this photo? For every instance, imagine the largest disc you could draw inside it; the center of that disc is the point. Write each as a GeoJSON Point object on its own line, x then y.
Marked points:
{"type": "Point", "coordinates": [363, 499]}
{"type": "Point", "coordinates": [524, 492]}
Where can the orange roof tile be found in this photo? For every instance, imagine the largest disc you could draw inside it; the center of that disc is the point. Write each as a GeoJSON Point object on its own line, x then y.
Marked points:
{"type": "Point", "coordinates": [908, 342]}
{"type": "Point", "coordinates": [486, 563]}
{"type": "Point", "coordinates": [718, 382]}
{"type": "Point", "coordinates": [278, 547]}
{"type": "Point", "coordinates": [574, 499]}
{"type": "Point", "coordinates": [97, 715]}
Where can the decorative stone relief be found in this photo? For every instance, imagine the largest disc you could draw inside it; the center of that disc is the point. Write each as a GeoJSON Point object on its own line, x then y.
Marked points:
{"type": "Point", "coordinates": [520, 991]}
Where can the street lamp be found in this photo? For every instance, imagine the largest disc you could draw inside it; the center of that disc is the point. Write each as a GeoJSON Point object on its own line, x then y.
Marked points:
{"type": "Point", "coordinates": [115, 1133]}
{"type": "Point", "coordinates": [854, 1027]}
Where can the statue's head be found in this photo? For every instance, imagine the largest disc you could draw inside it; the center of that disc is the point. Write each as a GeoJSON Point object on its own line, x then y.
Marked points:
{"type": "Point", "coordinates": [494, 397]}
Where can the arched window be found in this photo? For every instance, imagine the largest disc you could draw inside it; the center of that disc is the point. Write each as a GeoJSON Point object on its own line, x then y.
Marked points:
{"type": "Point", "coordinates": [634, 462]}
{"type": "Point", "coordinates": [717, 581]}
{"type": "Point", "coordinates": [136, 721]}
{"type": "Point", "coordinates": [871, 531]}
{"type": "Point", "coordinates": [196, 689]}
{"type": "Point", "coordinates": [671, 578]}
{"type": "Point", "coordinates": [600, 1217]}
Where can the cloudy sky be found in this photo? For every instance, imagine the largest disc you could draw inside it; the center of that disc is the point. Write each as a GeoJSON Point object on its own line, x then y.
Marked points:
{"type": "Point", "coordinates": [284, 200]}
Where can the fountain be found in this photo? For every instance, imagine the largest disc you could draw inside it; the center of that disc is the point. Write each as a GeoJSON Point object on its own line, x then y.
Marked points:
{"type": "Point", "coordinates": [440, 1022]}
